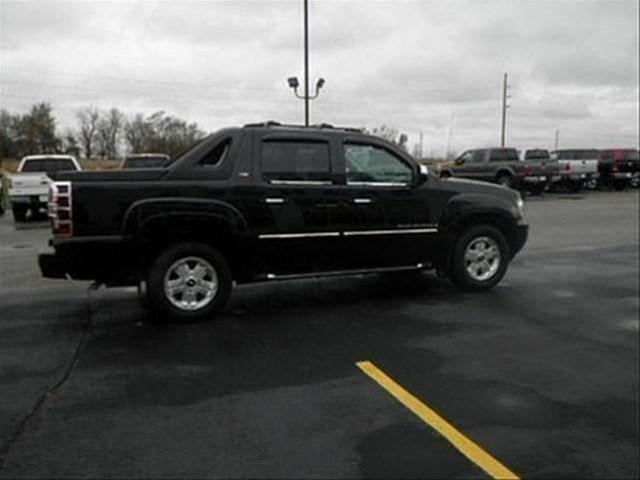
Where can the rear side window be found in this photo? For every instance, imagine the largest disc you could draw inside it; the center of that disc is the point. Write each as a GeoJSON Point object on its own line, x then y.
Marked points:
{"type": "Point", "coordinates": [217, 154]}
{"type": "Point", "coordinates": [295, 161]}
{"type": "Point", "coordinates": [504, 155]}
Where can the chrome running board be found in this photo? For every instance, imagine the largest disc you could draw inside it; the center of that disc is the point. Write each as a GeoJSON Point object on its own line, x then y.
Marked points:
{"type": "Point", "coordinates": [340, 273]}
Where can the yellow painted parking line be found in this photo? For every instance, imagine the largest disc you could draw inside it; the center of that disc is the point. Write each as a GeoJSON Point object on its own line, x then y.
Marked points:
{"type": "Point", "coordinates": [464, 444]}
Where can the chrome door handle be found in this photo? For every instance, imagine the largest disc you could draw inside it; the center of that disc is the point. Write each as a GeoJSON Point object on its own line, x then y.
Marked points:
{"type": "Point", "coordinates": [273, 200]}
{"type": "Point", "coordinates": [362, 201]}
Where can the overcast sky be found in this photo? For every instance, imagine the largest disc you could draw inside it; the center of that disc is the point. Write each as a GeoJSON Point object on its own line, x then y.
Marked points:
{"type": "Point", "coordinates": [430, 67]}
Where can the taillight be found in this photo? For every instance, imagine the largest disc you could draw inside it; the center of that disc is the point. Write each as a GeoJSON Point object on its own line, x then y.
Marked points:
{"type": "Point", "coordinates": [568, 167]}
{"type": "Point", "coordinates": [60, 209]}
{"type": "Point", "coordinates": [527, 171]}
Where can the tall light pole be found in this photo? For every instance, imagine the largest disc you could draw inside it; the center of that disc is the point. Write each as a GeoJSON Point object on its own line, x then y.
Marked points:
{"type": "Point", "coordinates": [293, 81]}
{"type": "Point", "coordinates": [504, 109]}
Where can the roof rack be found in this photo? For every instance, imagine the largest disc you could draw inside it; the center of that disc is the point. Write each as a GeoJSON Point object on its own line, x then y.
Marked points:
{"type": "Point", "coordinates": [272, 123]}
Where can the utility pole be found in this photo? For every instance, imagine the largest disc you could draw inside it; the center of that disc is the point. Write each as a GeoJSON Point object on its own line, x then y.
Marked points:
{"type": "Point", "coordinates": [421, 154]}
{"type": "Point", "coordinates": [557, 139]}
{"type": "Point", "coordinates": [504, 109]}
{"type": "Point", "coordinates": [306, 63]}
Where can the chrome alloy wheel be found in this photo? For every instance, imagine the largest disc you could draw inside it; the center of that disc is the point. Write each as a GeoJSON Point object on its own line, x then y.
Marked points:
{"type": "Point", "coordinates": [482, 258]}
{"type": "Point", "coordinates": [191, 283]}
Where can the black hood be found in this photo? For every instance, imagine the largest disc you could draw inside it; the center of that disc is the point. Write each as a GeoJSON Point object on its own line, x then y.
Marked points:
{"type": "Point", "coordinates": [454, 186]}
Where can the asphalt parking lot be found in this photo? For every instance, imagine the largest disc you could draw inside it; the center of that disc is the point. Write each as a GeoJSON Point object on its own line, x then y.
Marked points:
{"type": "Point", "coordinates": [541, 372]}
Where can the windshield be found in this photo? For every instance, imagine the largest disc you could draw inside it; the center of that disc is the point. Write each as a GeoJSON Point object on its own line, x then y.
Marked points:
{"type": "Point", "coordinates": [48, 165]}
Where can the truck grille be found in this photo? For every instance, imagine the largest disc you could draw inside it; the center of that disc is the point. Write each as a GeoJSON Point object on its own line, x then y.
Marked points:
{"type": "Point", "coordinates": [60, 209]}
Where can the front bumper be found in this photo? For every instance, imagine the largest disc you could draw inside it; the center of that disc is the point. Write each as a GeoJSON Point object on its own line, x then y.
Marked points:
{"type": "Point", "coordinates": [519, 239]}
{"type": "Point", "coordinates": [578, 177]}
{"type": "Point", "coordinates": [536, 180]}
{"type": "Point", "coordinates": [622, 175]}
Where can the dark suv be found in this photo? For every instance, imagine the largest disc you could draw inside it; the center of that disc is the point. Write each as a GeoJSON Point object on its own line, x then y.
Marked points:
{"type": "Point", "coordinates": [269, 201]}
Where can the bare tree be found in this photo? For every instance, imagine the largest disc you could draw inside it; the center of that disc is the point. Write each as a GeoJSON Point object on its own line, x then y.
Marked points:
{"type": "Point", "coordinates": [391, 135]}
{"type": "Point", "coordinates": [88, 118]}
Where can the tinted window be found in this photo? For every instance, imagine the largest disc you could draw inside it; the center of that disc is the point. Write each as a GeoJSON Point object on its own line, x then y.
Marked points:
{"type": "Point", "coordinates": [369, 164]}
{"type": "Point", "coordinates": [48, 165]}
{"type": "Point", "coordinates": [536, 155]}
{"type": "Point", "coordinates": [504, 155]}
{"type": "Point", "coordinates": [295, 161]}
{"type": "Point", "coordinates": [630, 155]}
{"type": "Point", "coordinates": [217, 154]}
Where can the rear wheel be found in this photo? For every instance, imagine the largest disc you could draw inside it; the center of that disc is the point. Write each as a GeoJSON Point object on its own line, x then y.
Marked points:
{"type": "Point", "coordinates": [19, 213]}
{"type": "Point", "coordinates": [187, 282]}
{"type": "Point", "coordinates": [480, 258]}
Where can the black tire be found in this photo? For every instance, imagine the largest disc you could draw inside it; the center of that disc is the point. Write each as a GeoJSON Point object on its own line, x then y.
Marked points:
{"type": "Point", "coordinates": [459, 273]}
{"type": "Point", "coordinates": [445, 174]}
{"type": "Point", "coordinates": [166, 310]}
{"type": "Point", "coordinates": [619, 185]}
{"type": "Point", "coordinates": [19, 213]}
{"type": "Point", "coordinates": [505, 180]}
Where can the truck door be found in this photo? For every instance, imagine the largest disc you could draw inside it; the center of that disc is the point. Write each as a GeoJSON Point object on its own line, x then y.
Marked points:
{"type": "Point", "coordinates": [390, 220]}
{"type": "Point", "coordinates": [298, 218]}
{"type": "Point", "coordinates": [471, 164]}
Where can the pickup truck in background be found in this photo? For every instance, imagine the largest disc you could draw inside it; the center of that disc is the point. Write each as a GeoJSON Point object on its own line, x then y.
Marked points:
{"type": "Point", "coordinates": [539, 160]}
{"type": "Point", "coordinates": [619, 167]}
{"type": "Point", "coordinates": [498, 165]}
{"type": "Point", "coordinates": [578, 168]}
{"type": "Point", "coordinates": [269, 202]}
{"type": "Point", "coordinates": [146, 160]}
{"type": "Point", "coordinates": [29, 187]}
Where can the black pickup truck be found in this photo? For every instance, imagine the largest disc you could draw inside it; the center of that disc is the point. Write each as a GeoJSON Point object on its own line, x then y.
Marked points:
{"type": "Point", "coordinates": [267, 202]}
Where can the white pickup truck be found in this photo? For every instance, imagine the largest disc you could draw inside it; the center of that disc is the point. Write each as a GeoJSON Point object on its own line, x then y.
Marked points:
{"type": "Point", "coordinates": [578, 168]}
{"type": "Point", "coordinates": [29, 187]}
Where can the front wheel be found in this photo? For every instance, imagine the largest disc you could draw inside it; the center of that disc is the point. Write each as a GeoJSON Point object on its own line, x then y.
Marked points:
{"type": "Point", "coordinates": [480, 258]}
{"type": "Point", "coordinates": [187, 282]}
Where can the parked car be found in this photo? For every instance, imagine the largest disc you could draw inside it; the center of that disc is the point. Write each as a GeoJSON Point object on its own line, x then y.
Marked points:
{"type": "Point", "coordinates": [619, 167]}
{"type": "Point", "coordinates": [270, 202]}
{"type": "Point", "coordinates": [539, 159]}
{"type": "Point", "coordinates": [578, 168]}
{"type": "Point", "coordinates": [499, 165]}
{"type": "Point", "coordinates": [146, 160]}
{"type": "Point", "coordinates": [29, 187]}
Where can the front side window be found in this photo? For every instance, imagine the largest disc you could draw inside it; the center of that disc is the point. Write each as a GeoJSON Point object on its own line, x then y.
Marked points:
{"type": "Point", "coordinates": [295, 161]}
{"type": "Point", "coordinates": [478, 156]}
{"type": "Point", "coordinates": [370, 164]}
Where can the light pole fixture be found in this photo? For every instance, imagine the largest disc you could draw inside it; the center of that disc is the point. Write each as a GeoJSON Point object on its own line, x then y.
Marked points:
{"type": "Point", "coordinates": [293, 81]}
